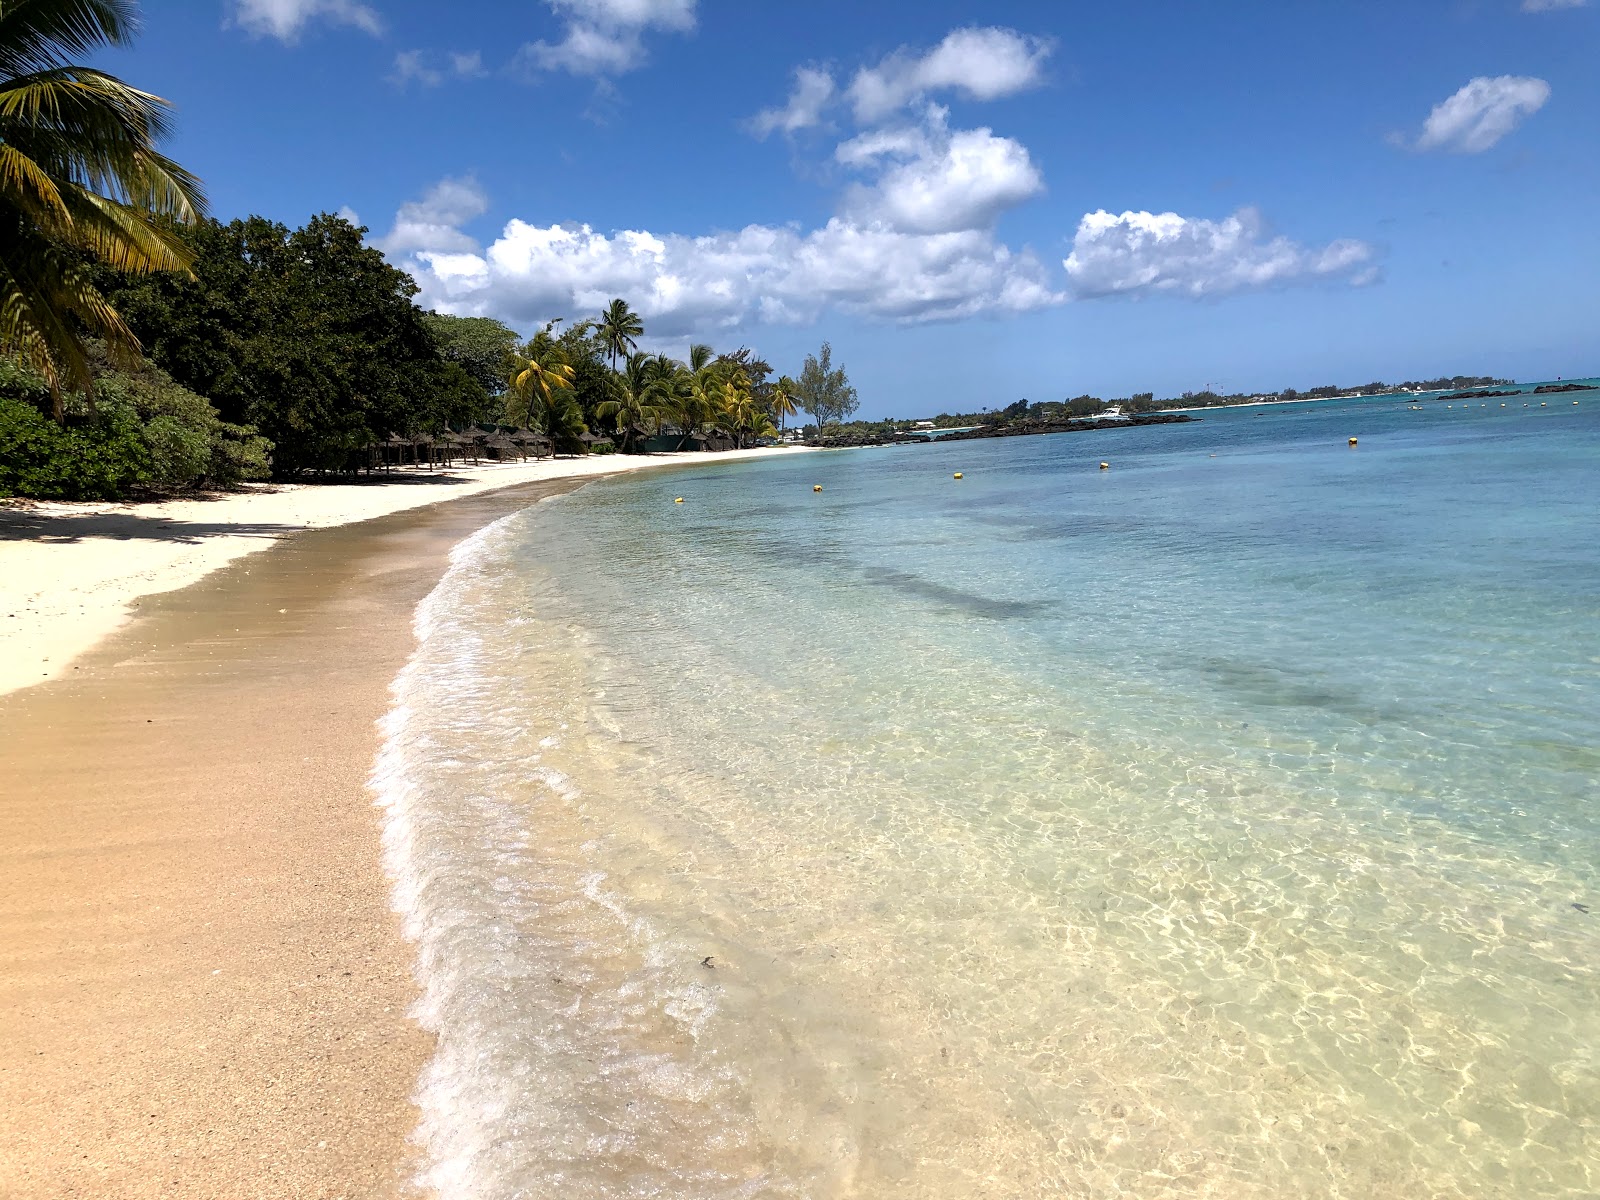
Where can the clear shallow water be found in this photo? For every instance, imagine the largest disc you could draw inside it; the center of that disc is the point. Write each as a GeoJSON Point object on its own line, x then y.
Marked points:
{"type": "Point", "coordinates": [1208, 826]}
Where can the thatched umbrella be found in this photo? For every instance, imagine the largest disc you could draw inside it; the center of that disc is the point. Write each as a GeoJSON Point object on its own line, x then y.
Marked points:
{"type": "Point", "coordinates": [423, 441]}
{"type": "Point", "coordinates": [502, 446]}
{"type": "Point", "coordinates": [525, 439]}
{"type": "Point", "coordinates": [454, 444]}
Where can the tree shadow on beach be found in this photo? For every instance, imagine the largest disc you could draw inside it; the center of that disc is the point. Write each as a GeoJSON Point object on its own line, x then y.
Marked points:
{"type": "Point", "coordinates": [22, 525]}
{"type": "Point", "coordinates": [23, 522]}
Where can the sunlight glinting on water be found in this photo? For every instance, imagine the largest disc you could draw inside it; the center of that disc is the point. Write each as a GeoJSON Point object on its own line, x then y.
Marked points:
{"type": "Point", "coordinates": [1218, 825]}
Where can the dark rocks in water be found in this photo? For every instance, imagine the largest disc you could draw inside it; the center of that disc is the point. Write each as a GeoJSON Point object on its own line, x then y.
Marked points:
{"type": "Point", "coordinates": [1544, 389]}
{"type": "Point", "coordinates": [1072, 425]}
{"type": "Point", "coordinates": [846, 440]}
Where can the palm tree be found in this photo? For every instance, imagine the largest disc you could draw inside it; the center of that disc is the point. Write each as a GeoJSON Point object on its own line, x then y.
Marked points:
{"type": "Point", "coordinates": [646, 393]}
{"type": "Point", "coordinates": [781, 397]}
{"type": "Point", "coordinates": [736, 408]}
{"type": "Point", "coordinates": [541, 394]}
{"type": "Point", "coordinates": [80, 179]}
{"type": "Point", "coordinates": [620, 328]}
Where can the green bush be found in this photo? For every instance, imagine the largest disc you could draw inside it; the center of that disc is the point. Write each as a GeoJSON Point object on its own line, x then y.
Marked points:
{"type": "Point", "coordinates": [141, 431]}
{"type": "Point", "coordinates": [103, 460]}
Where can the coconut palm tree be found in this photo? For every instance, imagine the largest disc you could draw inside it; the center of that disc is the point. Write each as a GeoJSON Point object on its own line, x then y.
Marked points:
{"type": "Point", "coordinates": [620, 328]}
{"type": "Point", "coordinates": [781, 398]}
{"type": "Point", "coordinates": [539, 372]}
{"type": "Point", "coordinates": [646, 394]}
{"type": "Point", "coordinates": [80, 181]}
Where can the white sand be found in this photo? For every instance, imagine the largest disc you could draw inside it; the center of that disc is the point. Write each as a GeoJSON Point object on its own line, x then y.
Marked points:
{"type": "Point", "coordinates": [72, 573]}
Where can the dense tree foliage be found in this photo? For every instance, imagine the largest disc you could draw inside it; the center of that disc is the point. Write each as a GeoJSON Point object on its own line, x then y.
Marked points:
{"type": "Point", "coordinates": [481, 346]}
{"type": "Point", "coordinates": [309, 335]}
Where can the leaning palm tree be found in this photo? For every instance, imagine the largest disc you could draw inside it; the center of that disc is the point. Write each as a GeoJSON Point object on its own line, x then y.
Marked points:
{"type": "Point", "coordinates": [539, 372]}
{"type": "Point", "coordinates": [620, 329]}
{"type": "Point", "coordinates": [80, 181]}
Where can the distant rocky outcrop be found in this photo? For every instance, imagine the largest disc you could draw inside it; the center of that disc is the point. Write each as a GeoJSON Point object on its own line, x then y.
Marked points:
{"type": "Point", "coordinates": [1544, 389]}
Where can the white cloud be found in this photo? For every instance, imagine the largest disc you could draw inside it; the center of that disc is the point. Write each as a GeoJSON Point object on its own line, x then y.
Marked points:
{"type": "Point", "coordinates": [813, 90]}
{"type": "Point", "coordinates": [419, 66]}
{"type": "Point", "coordinates": [284, 19]}
{"type": "Point", "coordinates": [605, 37]}
{"type": "Point", "coordinates": [1482, 113]}
{"type": "Point", "coordinates": [934, 181]}
{"type": "Point", "coordinates": [1551, 5]}
{"type": "Point", "coordinates": [1141, 252]}
{"type": "Point", "coordinates": [681, 285]}
{"type": "Point", "coordinates": [432, 225]}
{"type": "Point", "coordinates": [984, 64]}
{"type": "Point", "coordinates": [350, 214]}
{"type": "Point", "coordinates": [410, 67]}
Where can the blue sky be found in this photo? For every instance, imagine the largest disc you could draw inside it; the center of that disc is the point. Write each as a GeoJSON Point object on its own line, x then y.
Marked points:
{"type": "Point", "coordinates": [974, 203]}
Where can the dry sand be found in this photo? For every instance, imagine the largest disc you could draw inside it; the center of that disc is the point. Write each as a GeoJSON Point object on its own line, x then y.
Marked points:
{"type": "Point", "coordinates": [202, 989]}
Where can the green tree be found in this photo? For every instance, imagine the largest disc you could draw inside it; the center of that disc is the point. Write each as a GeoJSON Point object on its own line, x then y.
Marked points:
{"type": "Point", "coordinates": [620, 329]}
{"type": "Point", "coordinates": [309, 335]}
{"type": "Point", "coordinates": [824, 390]}
{"type": "Point", "coordinates": [481, 346]}
{"type": "Point", "coordinates": [645, 393]}
{"type": "Point", "coordinates": [80, 182]}
{"type": "Point", "coordinates": [541, 394]}
{"type": "Point", "coordinates": [781, 399]}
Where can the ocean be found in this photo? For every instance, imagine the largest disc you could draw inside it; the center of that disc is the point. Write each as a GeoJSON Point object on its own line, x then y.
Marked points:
{"type": "Point", "coordinates": [1223, 823]}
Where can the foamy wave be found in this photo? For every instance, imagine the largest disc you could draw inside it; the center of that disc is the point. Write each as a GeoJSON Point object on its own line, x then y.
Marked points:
{"type": "Point", "coordinates": [568, 1023]}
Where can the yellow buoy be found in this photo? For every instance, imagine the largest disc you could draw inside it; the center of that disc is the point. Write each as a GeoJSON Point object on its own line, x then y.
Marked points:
{"type": "Point", "coordinates": [1105, 466]}
{"type": "Point", "coordinates": [816, 487]}
{"type": "Point", "coordinates": [1352, 441]}
{"type": "Point", "coordinates": [958, 474]}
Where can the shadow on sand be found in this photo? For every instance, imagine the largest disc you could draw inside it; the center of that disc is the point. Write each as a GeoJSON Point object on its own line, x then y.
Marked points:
{"type": "Point", "coordinates": [21, 524]}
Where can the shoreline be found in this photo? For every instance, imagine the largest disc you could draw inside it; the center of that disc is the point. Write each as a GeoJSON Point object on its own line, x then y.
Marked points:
{"type": "Point", "coordinates": [205, 989]}
{"type": "Point", "coordinates": [73, 573]}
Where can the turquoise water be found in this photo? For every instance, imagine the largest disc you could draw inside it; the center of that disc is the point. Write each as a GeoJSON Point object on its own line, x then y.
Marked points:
{"type": "Point", "coordinates": [1218, 824]}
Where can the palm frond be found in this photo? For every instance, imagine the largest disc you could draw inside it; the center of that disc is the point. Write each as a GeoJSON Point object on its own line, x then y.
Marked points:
{"type": "Point", "coordinates": [43, 33]}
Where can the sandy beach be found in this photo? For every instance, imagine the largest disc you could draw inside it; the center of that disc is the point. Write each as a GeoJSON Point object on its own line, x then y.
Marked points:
{"type": "Point", "coordinates": [203, 989]}
{"type": "Point", "coordinates": [72, 573]}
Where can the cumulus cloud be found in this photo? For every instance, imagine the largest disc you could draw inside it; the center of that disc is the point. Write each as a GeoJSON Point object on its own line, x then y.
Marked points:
{"type": "Point", "coordinates": [606, 37]}
{"type": "Point", "coordinates": [284, 19]}
{"type": "Point", "coordinates": [813, 90]}
{"type": "Point", "coordinates": [1481, 113]}
{"type": "Point", "coordinates": [432, 225]}
{"type": "Point", "coordinates": [935, 181]}
{"type": "Point", "coordinates": [981, 63]}
{"type": "Point", "coordinates": [1141, 252]}
{"type": "Point", "coordinates": [1551, 5]}
{"type": "Point", "coordinates": [428, 70]}
{"type": "Point", "coordinates": [761, 274]}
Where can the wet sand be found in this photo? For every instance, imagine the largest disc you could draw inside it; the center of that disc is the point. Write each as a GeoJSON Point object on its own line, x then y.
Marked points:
{"type": "Point", "coordinates": [203, 992]}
